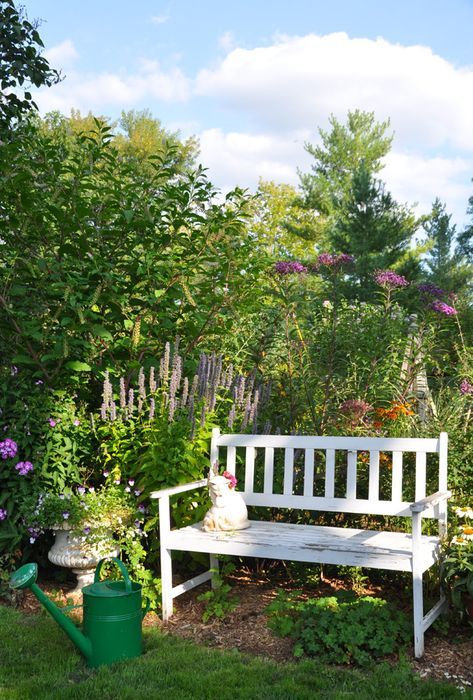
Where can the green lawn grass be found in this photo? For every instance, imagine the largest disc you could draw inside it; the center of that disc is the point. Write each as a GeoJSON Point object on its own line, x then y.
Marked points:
{"type": "Point", "coordinates": [37, 661]}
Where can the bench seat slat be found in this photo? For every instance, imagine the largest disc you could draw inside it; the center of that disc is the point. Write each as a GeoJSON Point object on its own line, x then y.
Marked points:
{"type": "Point", "coordinates": [310, 543]}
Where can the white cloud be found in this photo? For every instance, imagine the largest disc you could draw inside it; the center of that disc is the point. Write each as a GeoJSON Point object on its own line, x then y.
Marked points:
{"type": "Point", "coordinates": [415, 178]}
{"type": "Point", "coordinates": [298, 81]}
{"type": "Point", "coordinates": [61, 55]}
{"type": "Point", "coordinates": [237, 158]}
{"type": "Point", "coordinates": [159, 19]}
{"type": "Point", "coordinates": [227, 41]}
{"type": "Point", "coordinates": [98, 92]}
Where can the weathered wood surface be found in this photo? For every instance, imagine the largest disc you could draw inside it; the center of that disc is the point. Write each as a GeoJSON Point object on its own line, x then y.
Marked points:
{"type": "Point", "coordinates": [310, 543]}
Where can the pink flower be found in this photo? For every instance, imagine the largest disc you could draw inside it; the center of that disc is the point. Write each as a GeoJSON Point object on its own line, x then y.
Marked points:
{"type": "Point", "coordinates": [231, 478]}
{"type": "Point", "coordinates": [52, 422]}
{"type": "Point", "coordinates": [466, 387]}
{"type": "Point", "coordinates": [76, 422]}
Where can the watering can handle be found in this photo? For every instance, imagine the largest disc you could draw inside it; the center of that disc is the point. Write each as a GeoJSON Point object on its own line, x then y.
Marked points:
{"type": "Point", "coordinates": [122, 568]}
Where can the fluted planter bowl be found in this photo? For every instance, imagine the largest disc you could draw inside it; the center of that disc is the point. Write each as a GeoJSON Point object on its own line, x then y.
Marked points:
{"type": "Point", "coordinates": [71, 552]}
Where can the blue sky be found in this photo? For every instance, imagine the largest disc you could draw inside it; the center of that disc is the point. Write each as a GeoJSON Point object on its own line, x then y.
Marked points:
{"type": "Point", "coordinates": [254, 80]}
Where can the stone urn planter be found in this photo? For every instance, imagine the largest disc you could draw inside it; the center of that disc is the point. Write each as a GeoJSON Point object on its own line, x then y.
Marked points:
{"type": "Point", "coordinates": [70, 550]}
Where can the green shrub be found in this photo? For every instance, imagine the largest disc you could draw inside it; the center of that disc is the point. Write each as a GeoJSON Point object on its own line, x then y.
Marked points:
{"type": "Point", "coordinates": [339, 629]}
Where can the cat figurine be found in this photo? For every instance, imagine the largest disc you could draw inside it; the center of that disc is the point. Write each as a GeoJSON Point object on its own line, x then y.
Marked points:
{"type": "Point", "coordinates": [228, 511]}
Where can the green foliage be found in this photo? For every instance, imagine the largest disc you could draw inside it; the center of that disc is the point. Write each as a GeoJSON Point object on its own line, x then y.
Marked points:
{"type": "Point", "coordinates": [361, 141]}
{"type": "Point", "coordinates": [377, 231]}
{"type": "Point", "coordinates": [21, 65]}
{"type": "Point", "coordinates": [457, 566]}
{"type": "Point", "coordinates": [445, 263]}
{"type": "Point", "coordinates": [101, 254]}
{"type": "Point", "coordinates": [337, 630]}
{"type": "Point", "coordinates": [218, 602]}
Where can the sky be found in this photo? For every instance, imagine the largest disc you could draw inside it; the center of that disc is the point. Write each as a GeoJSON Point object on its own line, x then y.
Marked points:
{"type": "Point", "coordinates": [254, 80]}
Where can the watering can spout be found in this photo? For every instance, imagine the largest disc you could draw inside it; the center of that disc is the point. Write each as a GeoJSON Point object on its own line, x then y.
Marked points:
{"type": "Point", "coordinates": [25, 577]}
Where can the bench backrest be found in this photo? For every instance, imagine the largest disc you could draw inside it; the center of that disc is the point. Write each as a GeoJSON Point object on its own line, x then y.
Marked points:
{"type": "Point", "coordinates": [324, 459]}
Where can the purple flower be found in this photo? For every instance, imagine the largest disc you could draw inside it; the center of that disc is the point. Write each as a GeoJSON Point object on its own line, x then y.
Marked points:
{"type": "Point", "coordinates": [441, 308]}
{"type": "Point", "coordinates": [131, 482]}
{"type": "Point", "coordinates": [86, 530]}
{"type": "Point", "coordinates": [76, 422]}
{"type": "Point", "coordinates": [127, 489]}
{"type": "Point", "coordinates": [65, 515]}
{"type": "Point", "coordinates": [466, 387]}
{"type": "Point", "coordinates": [137, 492]}
{"type": "Point", "coordinates": [106, 473]}
{"type": "Point", "coordinates": [14, 370]}
{"type": "Point", "coordinates": [332, 262]}
{"type": "Point", "coordinates": [23, 468]}
{"type": "Point", "coordinates": [142, 508]}
{"type": "Point", "coordinates": [389, 279]}
{"type": "Point", "coordinates": [431, 290]}
{"type": "Point", "coordinates": [3, 513]}
{"type": "Point", "coordinates": [355, 408]}
{"type": "Point", "coordinates": [91, 489]}
{"type": "Point", "coordinates": [52, 422]}
{"type": "Point", "coordinates": [32, 540]}
{"type": "Point", "coordinates": [81, 490]}
{"type": "Point", "coordinates": [8, 448]}
{"type": "Point", "coordinates": [289, 268]}
{"type": "Point", "coordinates": [137, 523]}
{"type": "Point", "coordinates": [39, 381]}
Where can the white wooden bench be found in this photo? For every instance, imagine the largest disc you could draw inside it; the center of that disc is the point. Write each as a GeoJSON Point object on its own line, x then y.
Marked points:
{"type": "Point", "coordinates": [335, 458]}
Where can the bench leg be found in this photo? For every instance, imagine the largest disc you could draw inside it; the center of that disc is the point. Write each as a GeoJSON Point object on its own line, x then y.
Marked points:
{"type": "Point", "coordinates": [166, 583]}
{"type": "Point", "coordinates": [214, 565]}
{"type": "Point", "coordinates": [418, 615]}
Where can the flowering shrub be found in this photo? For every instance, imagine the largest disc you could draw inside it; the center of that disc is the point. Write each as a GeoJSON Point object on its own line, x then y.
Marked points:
{"type": "Point", "coordinates": [389, 279]}
{"type": "Point", "coordinates": [93, 514]}
{"type": "Point", "coordinates": [458, 563]}
{"type": "Point", "coordinates": [441, 307]}
{"type": "Point", "coordinates": [289, 267]}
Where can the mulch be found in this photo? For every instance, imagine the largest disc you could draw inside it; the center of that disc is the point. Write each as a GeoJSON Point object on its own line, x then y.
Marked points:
{"type": "Point", "coordinates": [448, 657]}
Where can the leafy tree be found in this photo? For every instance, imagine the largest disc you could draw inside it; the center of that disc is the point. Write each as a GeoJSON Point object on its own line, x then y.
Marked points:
{"type": "Point", "coordinates": [377, 231]}
{"type": "Point", "coordinates": [278, 213]}
{"type": "Point", "coordinates": [102, 261]}
{"type": "Point", "coordinates": [21, 65]}
{"type": "Point", "coordinates": [343, 149]}
{"type": "Point", "coordinates": [445, 262]}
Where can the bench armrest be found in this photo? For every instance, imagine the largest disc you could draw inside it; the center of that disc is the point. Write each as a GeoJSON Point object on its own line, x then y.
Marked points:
{"type": "Point", "coordinates": [430, 501]}
{"type": "Point", "coordinates": [179, 489]}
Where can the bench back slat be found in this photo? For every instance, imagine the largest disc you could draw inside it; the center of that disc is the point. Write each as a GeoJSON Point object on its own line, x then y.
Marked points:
{"type": "Point", "coordinates": [288, 471]}
{"type": "Point", "coordinates": [309, 473]}
{"type": "Point", "coordinates": [373, 484]}
{"type": "Point", "coordinates": [351, 474]}
{"type": "Point", "coordinates": [250, 469]}
{"type": "Point", "coordinates": [346, 458]}
{"type": "Point", "coordinates": [330, 473]}
{"type": "Point", "coordinates": [396, 481]}
{"type": "Point", "coordinates": [268, 470]}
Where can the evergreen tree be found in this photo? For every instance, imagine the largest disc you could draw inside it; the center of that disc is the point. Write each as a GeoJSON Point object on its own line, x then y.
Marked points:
{"type": "Point", "coordinates": [445, 263]}
{"type": "Point", "coordinates": [343, 150]}
{"type": "Point", "coordinates": [465, 239]}
{"type": "Point", "coordinates": [377, 231]}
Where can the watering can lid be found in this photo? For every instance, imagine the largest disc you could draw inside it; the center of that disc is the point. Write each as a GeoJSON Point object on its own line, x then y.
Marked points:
{"type": "Point", "coordinates": [106, 589]}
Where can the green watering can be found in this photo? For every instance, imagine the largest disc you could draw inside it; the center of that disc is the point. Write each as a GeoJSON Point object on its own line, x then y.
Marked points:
{"type": "Point", "coordinates": [112, 615]}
